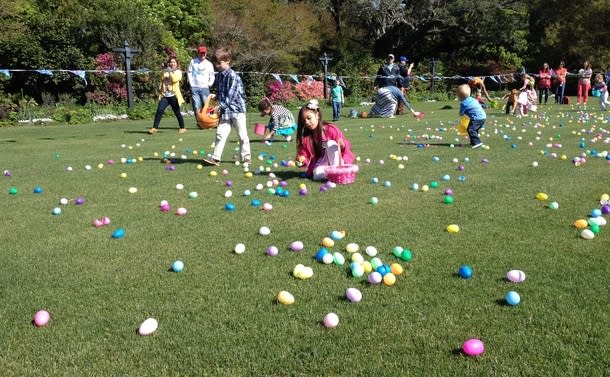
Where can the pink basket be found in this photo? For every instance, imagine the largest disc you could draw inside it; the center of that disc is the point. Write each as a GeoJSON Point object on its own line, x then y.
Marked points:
{"type": "Point", "coordinates": [341, 175]}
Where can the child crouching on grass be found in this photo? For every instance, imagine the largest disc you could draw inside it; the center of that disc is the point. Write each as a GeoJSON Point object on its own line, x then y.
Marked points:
{"type": "Point", "coordinates": [281, 122]}
{"type": "Point", "coordinates": [473, 110]}
{"type": "Point", "coordinates": [320, 144]}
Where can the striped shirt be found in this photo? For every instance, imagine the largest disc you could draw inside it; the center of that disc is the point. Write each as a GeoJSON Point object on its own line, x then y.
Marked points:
{"type": "Point", "coordinates": [281, 117]}
{"type": "Point", "coordinates": [230, 94]}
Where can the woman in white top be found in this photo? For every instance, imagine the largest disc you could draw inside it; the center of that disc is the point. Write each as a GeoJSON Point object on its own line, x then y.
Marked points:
{"type": "Point", "coordinates": [584, 83]}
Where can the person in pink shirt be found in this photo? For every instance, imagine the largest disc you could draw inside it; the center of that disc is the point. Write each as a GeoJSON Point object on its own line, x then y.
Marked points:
{"type": "Point", "coordinates": [319, 144]}
{"type": "Point", "coordinates": [544, 83]}
{"type": "Point", "coordinates": [584, 83]}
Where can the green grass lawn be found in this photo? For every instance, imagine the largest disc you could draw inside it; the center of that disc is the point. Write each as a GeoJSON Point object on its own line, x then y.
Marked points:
{"type": "Point", "coordinates": [219, 316]}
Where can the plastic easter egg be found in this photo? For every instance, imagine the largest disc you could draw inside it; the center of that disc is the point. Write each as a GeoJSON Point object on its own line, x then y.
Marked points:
{"type": "Point", "coordinates": [37, 190]}
{"type": "Point", "coordinates": [596, 212]}
{"type": "Point", "coordinates": [554, 205]}
{"type": "Point", "coordinates": [447, 199]}
{"type": "Point", "coordinates": [331, 320]}
{"type": "Point", "coordinates": [272, 251]}
{"type": "Point", "coordinates": [389, 279]}
{"type": "Point", "coordinates": [357, 257]}
{"type": "Point", "coordinates": [515, 276]}
{"type": "Point", "coordinates": [133, 190]}
{"type": "Point", "coordinates": [63, 201]}
{"type": "Point", "coordinates": [328, 258]}
{"type": "Point", "coordinates": [542, 196]}
{"type": "Point", "coordinates": [338, 259]}
{"type": "Point", "coordinates": [123, 175]}
{"type": "Point", "coordinates": [598, 221]}
{"type": "Point", "coordinates": [56, 211]}
{"type": "Point", "coordinates": [118, 233]}
{"type": "Point", "coordinates": [305, 273]}
{"type": "Point", "coordinates": [397, 251]}
{"type": "Point", "coordinates": [473, 347]}
{"type": "Point", "coordinates": [41, 318]}
{"type": "Point", "coordinates": [357, 270]}
{"type": "Point", "coordinates": [336, 235]}
{"type": "Point", "coordinates": [368, 268]}
{"type": "Point", "coordinates": [587, 234]}
{"type": "Point", "coordinates": [98, 223]}
{"type": "Point", "coordinates": [512, 298]}
{"type": "Point", "coordinates": [240, 248]}
{"type": "Point", "coordinates": [177, 266]}
{"type": "Point", "coordinates": [328, 242]}
{"type": "Point", "coordinates": [79, 201]}
{"type": "Point", "coordinates": [373, 200]}
{"type": "Point", "coordinates": [296, 246]}
{"type": "Point", "coordinates": [425, 188]}
{"type": "Point", "coordinates": [374, 180]}
{"type": "Point", "coordinates": [375, 263]}
{"type": "Point", "coordinates": [453, 228]}
{"type": "Point", "coordinates": [465, 271]}
{"type": "Point", "coordinates": [181, 211]}
{"type": "Point", "coordinates": [353, 294]}
{"type": "Point", "coordinates": [285, 298]}
{"type": "Point", "coordinates": [267, 207]}
{"type": "Point", "coordinates": [406, 255]}
{"type": "Point", "coordinates": [375, 277]}
{"type": "Point", "coordinates": [581, 223]}
{"type": "Point", "coordinates": [371, 251]}
{"type": "Point", "coordinates": [164, 207]}
{"type": "Point", "coordinates": [535, 164]}
{"type": "Point", "coordinates": [352, 247]}
{"type": "Point", "coordinates": [321, 253]}
{"type": "Point", "coordinates": [213, 173]}
{"type": "Point", "coordinates": [396, 269]}
{"type": "Point", "coordinates": [264, 231]}
{"type": "Point", "coordinates": [230, 207]}
{"type": "Point", "coordinates": [193, 195]}
{"type": "Point", "coordinates": [414, 187]}
{"type": "Point", "coordinates": [148, 327]}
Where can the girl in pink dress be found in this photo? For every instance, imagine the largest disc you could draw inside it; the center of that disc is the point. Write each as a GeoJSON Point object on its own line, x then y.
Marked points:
{"type": "Point", "coordinates": [319, 144]}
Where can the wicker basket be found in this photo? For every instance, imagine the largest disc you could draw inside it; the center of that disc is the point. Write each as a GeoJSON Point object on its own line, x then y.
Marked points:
{"type": "Point", "coordinates": [342, 174]}
{"type": "Point", "coordinates": [206, 117]}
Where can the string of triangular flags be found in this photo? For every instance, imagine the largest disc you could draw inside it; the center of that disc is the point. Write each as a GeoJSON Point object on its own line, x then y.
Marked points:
{"type": "Point", "coordinates": [297, 78]}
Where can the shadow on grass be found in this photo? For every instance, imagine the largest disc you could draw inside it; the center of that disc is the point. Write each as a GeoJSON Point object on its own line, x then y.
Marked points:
{"type": "Point", "coordinates": [426, 145]}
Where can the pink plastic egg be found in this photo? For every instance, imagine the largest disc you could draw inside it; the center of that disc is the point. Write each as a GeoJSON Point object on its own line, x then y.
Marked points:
{"type": "Point", "coordinates": [331, 320]}
{"type": "Point", "coordinates": [473, 347]}
{"type": "Point", "coordinates": [41, 318]}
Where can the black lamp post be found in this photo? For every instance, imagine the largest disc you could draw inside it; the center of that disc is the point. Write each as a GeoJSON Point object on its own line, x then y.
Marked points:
{"type": "Point", "coordinates": [128, 53]}
{"type": "Point", "coordinates": [325, 59]}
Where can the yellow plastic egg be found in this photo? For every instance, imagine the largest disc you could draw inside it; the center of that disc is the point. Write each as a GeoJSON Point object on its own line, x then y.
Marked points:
{"type": "Point", "coordinates": [368, 267]}
{"type": "Point", "coordinates": [328, 242]}
{"type": "Point", "coordinates": [213, 173]}
{"type": "Point", "coordinates": [396, 268]}
{"type": "Point", "coordinates": [389, 279]}
{"type": "Point", "coordinates": [541, 196]}
{"type": "Point", "coordinates": [285, 298]}
{"type": "Point", "coordinates": [453, 228]}
{"type": "Point", "coordinates": [581, 223]}
{"type": "Point", "coordinates": [352, 247]}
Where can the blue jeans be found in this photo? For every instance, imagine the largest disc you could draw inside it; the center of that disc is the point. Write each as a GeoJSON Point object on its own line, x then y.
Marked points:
{"type": "Point", "coordinates": [336, 110]}
{"type": "Point", "coordinates": [473, 131]}
{"type": "Point", "coordinates": [559, 90]}
{"type": "Point", "coordinates": [163, 104]}
{"type": "Point", "coordinates": [198, 98]}
{"type": "Point", "coordinates": [397, 93]}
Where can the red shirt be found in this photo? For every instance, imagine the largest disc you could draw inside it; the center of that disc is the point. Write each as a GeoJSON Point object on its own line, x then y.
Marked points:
{"type": "Point", "coordinates": [544, 79]}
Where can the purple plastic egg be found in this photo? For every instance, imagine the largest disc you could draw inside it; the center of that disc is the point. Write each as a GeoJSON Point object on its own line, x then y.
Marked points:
{"type": "Point", "coordinates": [79, 201]}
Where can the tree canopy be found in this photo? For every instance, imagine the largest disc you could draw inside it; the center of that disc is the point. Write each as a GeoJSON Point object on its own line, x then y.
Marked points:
{"type": "Point", "coordinates": [466, 36]}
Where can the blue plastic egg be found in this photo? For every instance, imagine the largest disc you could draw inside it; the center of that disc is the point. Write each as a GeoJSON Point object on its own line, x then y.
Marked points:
{"type": "Point", "coordinates": [465, 271]}
{"type": "Point", "coordinates": [177, 266]}
{"type": "Point", "coordinates": [118, 233]}
{"type": "Point", "coordinates": [512, 298]}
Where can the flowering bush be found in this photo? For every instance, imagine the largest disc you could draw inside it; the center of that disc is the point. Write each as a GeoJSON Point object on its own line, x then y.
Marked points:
{"type": "Point", "coordinates": [280, 92]}
{"type": "Point", "coordinates": [307, 90]}
{"type": "Point", "coordinates": [105, 62]}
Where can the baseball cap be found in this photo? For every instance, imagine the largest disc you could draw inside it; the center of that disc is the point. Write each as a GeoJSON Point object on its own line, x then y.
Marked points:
{"type": "Point", "coordinates": [202, 50]}
{"type": "Point", "coordinates": [403, 59]}
{"type": "Point", "coordinates": [391, 56]}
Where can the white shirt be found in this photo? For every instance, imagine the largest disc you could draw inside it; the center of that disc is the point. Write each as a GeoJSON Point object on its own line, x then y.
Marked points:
{"type": "Point", "coordinates": [200, 73]}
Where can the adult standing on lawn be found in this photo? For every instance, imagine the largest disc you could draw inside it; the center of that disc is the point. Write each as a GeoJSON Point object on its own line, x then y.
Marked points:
{"type": "Point", "coordinates": [200, 73]}
{"type": "Point", "coordinates": [170, 95]}
{"type": "Point", "coordinates": [584, 83]}
{"type": "Point", "coordinates": [560, 82]}
{"type": "Point", "coordinates": [544, 83]}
